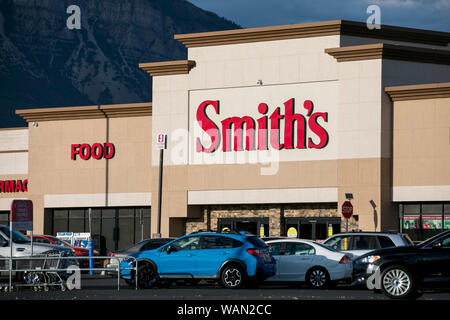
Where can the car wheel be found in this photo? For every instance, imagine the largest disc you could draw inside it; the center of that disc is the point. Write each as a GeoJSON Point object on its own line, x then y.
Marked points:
{"type": "Point", "coordinates": [232, 277]}
{"type": "Point", "coordinates": [317, 278]}
{"type": "Point", "coordinates": [147, 276]}
{"type": "Point", "coordinates": [398, 283]}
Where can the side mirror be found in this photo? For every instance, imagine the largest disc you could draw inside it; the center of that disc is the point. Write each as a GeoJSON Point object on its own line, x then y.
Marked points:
{"type": "Point", "coordinates": [4, 244]}
{"type": "Point", "coordinates": [437, 245]}
{"type": "Point", "coordinates": [171, 249]}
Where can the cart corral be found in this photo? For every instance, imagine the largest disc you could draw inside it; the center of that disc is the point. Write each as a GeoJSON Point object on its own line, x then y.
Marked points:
{"type": "Point", "coordinates": [52, 270]}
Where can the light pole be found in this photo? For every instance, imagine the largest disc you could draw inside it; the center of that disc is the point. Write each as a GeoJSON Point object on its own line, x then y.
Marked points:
{"type": "Point", "coordinates": [161, 144]}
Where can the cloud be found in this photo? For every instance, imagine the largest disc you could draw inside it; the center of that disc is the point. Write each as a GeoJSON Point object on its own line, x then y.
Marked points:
{"type": "Point", "coordinates": [397, 3]}
{"type": "Point", "coordinates": [422, 14]}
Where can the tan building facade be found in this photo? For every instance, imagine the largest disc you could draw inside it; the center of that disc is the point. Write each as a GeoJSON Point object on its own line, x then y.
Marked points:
{"type": "Point", "coordinates": [268, 130]}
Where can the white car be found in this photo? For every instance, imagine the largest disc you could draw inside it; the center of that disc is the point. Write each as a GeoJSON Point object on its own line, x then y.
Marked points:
{"type": "Point", "coordinates": [310, 262]}
{"type": "Point", "coordinates": [21, 245]}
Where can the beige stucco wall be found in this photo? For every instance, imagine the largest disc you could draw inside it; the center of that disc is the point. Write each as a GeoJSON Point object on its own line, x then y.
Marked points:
{"type": "Point", "coordinates": [422, 150]}
{"type": "Point", "coordinates": [13, 162]}
{"type": "Point", "coordinates": [58, 181]}
{"type": "Point", "coordinates": [358, 160]}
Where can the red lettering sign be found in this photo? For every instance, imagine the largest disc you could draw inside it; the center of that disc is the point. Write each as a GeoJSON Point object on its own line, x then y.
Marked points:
{"type": "Point", "coordinates": [247, 134]}
{"type": "Point", "coordinates": [208, 126]}
{"type": "Point", "coordinates": [13, 186]}
{"type": "Point", "coordinates": [97, 151]}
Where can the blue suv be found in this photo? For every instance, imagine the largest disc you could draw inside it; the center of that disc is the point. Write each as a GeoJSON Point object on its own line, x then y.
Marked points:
{"type": "Point", "coordinates": [231, 259]}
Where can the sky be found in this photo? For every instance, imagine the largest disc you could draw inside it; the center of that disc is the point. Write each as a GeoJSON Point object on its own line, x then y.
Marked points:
{"type": "Point", "coordinates": [422, 14]}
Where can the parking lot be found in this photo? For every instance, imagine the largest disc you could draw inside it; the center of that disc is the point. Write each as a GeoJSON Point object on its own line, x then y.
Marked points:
{"type": "Point", "coordinates": [105, 288]}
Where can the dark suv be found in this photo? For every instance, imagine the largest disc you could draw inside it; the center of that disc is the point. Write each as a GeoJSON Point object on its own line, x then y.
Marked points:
{"type": "Point", "coordinates": [229, 258]}
{"type": "Point", "coordinates": [402, 272]}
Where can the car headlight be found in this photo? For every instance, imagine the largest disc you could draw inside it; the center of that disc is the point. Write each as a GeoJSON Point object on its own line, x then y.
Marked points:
{"type": "Point", "coordinates": [370, 259]}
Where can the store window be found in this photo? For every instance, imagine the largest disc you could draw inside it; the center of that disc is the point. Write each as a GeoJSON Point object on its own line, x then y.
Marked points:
{"type": "Point", "coordinates": [424, 220]}
{"type": "Point", "coordinates": [115, 228]}
{"type": "Point", "coordinates": [446, 216]}
{"type": "Point", "coordinates": [311, 228]}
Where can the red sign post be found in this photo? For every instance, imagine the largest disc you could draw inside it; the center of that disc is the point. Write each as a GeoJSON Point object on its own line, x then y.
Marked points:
{"type": "Point", "coordinates": [347, 212]}
{"type": "Point", "coordinates": [21, 215]}
{"type": "Point", "coordinates": [21, 218]}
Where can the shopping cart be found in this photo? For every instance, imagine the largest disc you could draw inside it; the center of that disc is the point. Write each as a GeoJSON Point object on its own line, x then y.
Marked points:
{"type": "Point", "coordinates": [45, 271]}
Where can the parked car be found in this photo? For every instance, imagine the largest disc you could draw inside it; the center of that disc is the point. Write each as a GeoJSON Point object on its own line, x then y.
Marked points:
{"type": "Point", "coordinates": [308, 261]}
{"type": "Point", "coordinates": [21, 247]}
{"type": "Point", "coordinates": [147, 244]}
{"type": "Point", "coordinates": [406, 271]}
{"type": "Point", "coordinates": [79, 251]}
{"type": "Point", "coordinates": [359, 243]}
{"type": "Point", "coordinates": [232, 259]}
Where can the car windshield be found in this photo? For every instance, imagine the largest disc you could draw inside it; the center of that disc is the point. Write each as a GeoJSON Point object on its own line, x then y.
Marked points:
{"type": "Point", "coordinates": [17, 237]}
{"type": "Point", "coordinates": [430, 240]}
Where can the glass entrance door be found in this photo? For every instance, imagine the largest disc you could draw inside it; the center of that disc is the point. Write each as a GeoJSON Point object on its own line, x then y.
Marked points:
{"type": "Point", "coordinates": [256, 226]}
{"type": "Point", "coordinates": [247, 226]}
{"type": "Point", "coordinates": [311, 228]}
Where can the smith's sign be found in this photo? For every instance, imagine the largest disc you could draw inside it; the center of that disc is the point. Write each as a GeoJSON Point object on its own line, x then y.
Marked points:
{"type": "Point", "coordinates": [266, 130]}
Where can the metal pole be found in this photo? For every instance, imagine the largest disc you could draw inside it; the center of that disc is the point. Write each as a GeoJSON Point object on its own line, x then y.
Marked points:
{"type": "Point", "coordinates": [118, 276]}
{"type": "Point", "coordinates": [161, 161]}
{"type": "Point", "coordinates": [346, 225]}
{"type": "Point", "coordinates": [91, 249]}
{"type": "Point", "coordinates": [141, 221]}
{"type": "Point", "coordinates": [10, 255]}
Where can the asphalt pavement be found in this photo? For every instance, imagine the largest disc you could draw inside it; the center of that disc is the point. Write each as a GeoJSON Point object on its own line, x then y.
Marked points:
{"type": "Point", "coordinates": [105, 288]}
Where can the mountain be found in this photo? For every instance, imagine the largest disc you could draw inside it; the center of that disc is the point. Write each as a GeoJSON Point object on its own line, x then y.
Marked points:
{"type": "Point", "coordinates": [44, 64]}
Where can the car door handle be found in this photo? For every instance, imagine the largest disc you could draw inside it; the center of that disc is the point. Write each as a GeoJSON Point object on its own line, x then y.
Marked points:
{"type": "Point", "coordinates": [190, 255]}
{"type": "Point", "coordinates": [225, 253]}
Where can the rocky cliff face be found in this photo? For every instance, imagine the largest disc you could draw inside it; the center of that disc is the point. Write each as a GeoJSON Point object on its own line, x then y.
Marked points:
{"type": "Point", "coordinates": [44, 64]}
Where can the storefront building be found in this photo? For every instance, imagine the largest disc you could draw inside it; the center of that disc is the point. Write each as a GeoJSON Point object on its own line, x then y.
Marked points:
{"type": "Point", "coordinates": [268, 130]}
{"type": "Point", "coordinates": [81, 158]}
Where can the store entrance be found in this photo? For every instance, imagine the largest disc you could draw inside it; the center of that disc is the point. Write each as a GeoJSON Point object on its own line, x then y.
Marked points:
{"type": "Point", "coordinates": [311, 228]}
{"type": "Point", "coordinates": [117, 228]}
{"type": "Point", "coordinates": [256, 226]}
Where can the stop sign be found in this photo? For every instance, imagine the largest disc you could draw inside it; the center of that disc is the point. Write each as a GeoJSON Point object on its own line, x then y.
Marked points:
{"type": "Point", "coordinates": [347, 209]}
